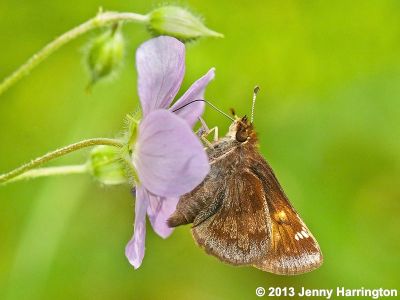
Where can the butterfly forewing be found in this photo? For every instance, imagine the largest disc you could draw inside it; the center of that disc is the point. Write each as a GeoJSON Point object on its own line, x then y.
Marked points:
{"type": "Point", "coordinates": [293, 249]}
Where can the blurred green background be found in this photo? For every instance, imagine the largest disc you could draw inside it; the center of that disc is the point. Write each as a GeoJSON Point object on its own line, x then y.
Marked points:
{"type": "Point", "coordinates": [328, 118]}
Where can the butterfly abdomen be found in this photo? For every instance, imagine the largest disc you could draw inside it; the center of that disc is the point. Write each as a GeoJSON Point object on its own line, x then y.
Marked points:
{"type": "Point", "coordinates": [196, 212]}
{"type": "Point", "coordinates": [176, 219]}
{"type": "Point", "coordinates": [185, 213]}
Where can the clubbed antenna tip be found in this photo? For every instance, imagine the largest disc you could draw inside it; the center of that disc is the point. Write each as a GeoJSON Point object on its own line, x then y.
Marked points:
{"type": "Point", "coordinates": [255, 91]}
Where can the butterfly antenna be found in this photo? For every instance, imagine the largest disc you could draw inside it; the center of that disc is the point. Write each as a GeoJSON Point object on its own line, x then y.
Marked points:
{"type": "Point", "coordinates": [209, 103]}
{"type": "Point", "coordinates": [256, 90]}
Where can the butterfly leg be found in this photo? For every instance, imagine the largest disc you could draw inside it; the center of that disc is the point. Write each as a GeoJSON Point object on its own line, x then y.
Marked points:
{"type": "Point", "coordinates": [204, 131]}
{"type": "Point", "coordinates": [215, 133]}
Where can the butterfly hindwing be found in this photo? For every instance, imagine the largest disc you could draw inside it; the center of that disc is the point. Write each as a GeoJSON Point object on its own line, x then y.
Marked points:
{"type": "Point", "coordinates": [204, 201]}
{"type": "Point", "coordinates": [238, 233]}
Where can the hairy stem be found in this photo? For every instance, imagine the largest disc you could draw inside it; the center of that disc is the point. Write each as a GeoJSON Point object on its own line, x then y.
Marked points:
{"type": "Point", "coordinates": [57, 153]}
{"type": "Point", "coordinates": [102, 19]}
{"type": "Point", "coordinates": [51, 171]}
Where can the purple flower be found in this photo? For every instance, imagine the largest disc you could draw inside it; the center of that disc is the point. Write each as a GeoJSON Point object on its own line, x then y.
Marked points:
{"type": "Point", "coordinates": [169, 159]}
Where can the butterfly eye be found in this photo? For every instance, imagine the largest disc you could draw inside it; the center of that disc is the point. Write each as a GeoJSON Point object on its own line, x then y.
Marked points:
{"type": "Point", "coordinates": [241, 135]}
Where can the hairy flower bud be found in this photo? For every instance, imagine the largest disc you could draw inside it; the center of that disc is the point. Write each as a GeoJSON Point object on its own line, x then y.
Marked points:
{"type": "Point", "coordinates": [178, 22]}
{"type": "Point", "coordinates": [106, 165]}
{"type": "Point", "coordinates": [105, 54]}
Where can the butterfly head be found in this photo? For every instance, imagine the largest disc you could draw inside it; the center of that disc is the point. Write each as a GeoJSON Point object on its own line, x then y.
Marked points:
{"type": "Point", "coordinates": [242, 130]}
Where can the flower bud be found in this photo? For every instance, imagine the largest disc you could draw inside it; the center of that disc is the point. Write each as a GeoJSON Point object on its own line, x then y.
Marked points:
{"type": "Point", "coordinates": [107, 166]}
{"type": "Point", "coordinates": [178, 22]}
{"type": "Point", "coordinates": [105, 54]}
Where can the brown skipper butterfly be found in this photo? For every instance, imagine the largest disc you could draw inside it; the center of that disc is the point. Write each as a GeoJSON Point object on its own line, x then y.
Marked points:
{"type": "Point", "coordinates": [240, 213]}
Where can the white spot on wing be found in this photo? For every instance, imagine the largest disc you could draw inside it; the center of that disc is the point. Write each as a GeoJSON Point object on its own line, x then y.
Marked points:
{"type": "Point", "coordinates": [298, 236]}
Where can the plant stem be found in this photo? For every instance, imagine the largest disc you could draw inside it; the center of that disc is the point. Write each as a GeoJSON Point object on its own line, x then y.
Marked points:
{"type": "Point", "coordinates": [51, 171]}
{"type": "Point", "coordinates": [57, 153]}
{"type": "Point", "coordinates": [102, 19]}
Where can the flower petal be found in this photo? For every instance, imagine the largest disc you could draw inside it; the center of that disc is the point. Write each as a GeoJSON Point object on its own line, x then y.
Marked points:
{"type": "Point", "coordinates": [159, 210]}
{"type": "Point", "coordinates": [134, 251]}
{"type": "Point", "coordinates": [192, 112]}
{"type": "Point", "coordinates": [161, 66]}
{"type": "Point", "coordinates": [169, 158]}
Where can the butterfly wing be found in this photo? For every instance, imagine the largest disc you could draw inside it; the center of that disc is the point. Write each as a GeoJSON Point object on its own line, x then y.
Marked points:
{"type": "Point", "coordinates": [241, 215]}
{"type": "Point", "coordinates": [293, 249]}
{"type": "Point", "coordinates": [206, 199]}
{"type": "Point", "coordinates": [238, 232]}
